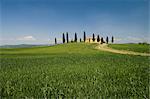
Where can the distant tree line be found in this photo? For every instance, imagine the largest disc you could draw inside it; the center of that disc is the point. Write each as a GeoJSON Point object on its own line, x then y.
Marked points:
{"type": "Point", "coordinates": [98, 39]}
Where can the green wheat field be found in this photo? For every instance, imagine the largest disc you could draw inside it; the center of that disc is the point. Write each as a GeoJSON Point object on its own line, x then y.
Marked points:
{"type": "Point", "coordinates": [74, 71]}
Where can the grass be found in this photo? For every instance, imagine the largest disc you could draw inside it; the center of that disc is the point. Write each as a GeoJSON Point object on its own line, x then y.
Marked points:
{"type": "Point", "coordinates": [72, 70]}
{"type": "Point", "coordinates": [132, 47]}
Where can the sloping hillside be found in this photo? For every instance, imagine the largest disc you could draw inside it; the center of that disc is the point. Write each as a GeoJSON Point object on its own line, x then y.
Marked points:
{"type": "Point", "coordinates": [72, 70]}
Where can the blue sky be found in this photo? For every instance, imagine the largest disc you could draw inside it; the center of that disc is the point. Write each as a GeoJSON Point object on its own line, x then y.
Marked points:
{"type": "Point", "coordinates": [40, 21]}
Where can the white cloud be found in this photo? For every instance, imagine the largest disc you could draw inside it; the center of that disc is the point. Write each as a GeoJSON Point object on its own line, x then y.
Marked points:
{"type": "Point", "coordinates": [27, 38]}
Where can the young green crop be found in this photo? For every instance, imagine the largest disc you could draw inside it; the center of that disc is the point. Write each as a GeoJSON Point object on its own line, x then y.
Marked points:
{"type": "Point", "coordinates": [72, 71]}
{"type": "Point", "coordinates": [132, 47]}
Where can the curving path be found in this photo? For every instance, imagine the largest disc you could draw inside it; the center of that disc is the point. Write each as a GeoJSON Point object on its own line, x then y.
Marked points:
{"type": "Point", "coordinates": [104, 47]}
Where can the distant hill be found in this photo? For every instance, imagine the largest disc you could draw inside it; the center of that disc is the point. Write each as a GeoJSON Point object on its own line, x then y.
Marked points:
{"type": "Point", "coordinates": [20, 46]}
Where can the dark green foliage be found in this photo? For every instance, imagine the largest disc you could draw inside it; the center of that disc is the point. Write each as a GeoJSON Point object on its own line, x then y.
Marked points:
{"type": "Point", "coordinates": [63, 38]}
{"type": "Point", "coordinates": [107, 40]}
{"type": "Point", "coordinates": [102, 41]}
{"type": "Point", "coordinates": [143, 43]}
{"type": "Point", "coordinates": [112, 39]}
{"type": "Point", "coordinates": [93, 37]}
{"type": "Point", "coordinates": [67, 37]}
{"type": "Point", "coordinates": [75, 37]}
{"type": "Point", "coordinates": [84, 36]}
{"type": "Point", "coordinates": [55, 41]}
{"type": "Point", "coordinates": [71, 41]}
{"type": "Point", "coordinates": [98, 38]}
{"type": "Point", "coordinates": [80, 40]}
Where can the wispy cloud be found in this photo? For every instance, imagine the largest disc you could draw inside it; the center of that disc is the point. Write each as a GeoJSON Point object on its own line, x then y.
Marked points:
{"type": "Point", "coordinates": [27, 38]}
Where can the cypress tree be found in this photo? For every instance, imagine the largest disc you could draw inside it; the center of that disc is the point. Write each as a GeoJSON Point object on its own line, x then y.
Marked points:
{"type": "Point", "coordinates": [107, 40]}
{"type": "Point", "coordinates": [112, 39]}
{"type": "Point", "coordinates": [84, 38]}
{"type": "Point", "coordinates": [93, 37]}
{"type": "Point", "coordinates": [63, 38]}
{"type": "Point", "coordinates": [102, 41]}
{"type": "Point", "coordinates": [80, 40]}
{"type": "Point", "coordinates": [75, 37]}
{"type": "Point", "coordinates": [55, 41]}
{"type": "Point", "coordinates": [67, 37]}
{"type": "Point", "coordinates": [98, 39]}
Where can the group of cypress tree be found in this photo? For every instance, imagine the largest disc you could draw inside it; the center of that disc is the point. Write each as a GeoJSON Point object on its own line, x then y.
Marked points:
{"type": "Point", "coordinates": [67, 38]}
{"type": "Point", "coordinates": [102, 40]}
{"type": "Point", "coordinates": [84, 38]}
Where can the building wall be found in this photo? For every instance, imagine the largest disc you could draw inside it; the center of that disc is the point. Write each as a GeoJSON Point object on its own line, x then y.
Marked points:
{"type": "Point", "coordinates": [90, 40]}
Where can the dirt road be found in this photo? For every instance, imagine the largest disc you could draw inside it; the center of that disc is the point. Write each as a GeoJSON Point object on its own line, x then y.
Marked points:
{"type": "Point", "coordinates": [104, 47]}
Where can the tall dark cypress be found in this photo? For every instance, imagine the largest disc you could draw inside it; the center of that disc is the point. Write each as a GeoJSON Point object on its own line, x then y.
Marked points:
{"type": "Point", "coordinates": [55, 41]}
{"type": "Point", "coordinates": [112, 39]}
{"type": "Point", "coordinates": [84, 38]}
{"type": "Point", "coordinates": [67, 37]}
{"type": "Point", "coordinates": [93, 37]}
{"type": "Point", "coordinates": [107, 40]}
{"type": "Point", "coordinates": [98, 38]}
{"type": "Point", "coordinates": [63, 38]}
{"type": "Point", "coordinates": [102, 41]}
{"type": "Point", "coordinates": [75, 37]}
